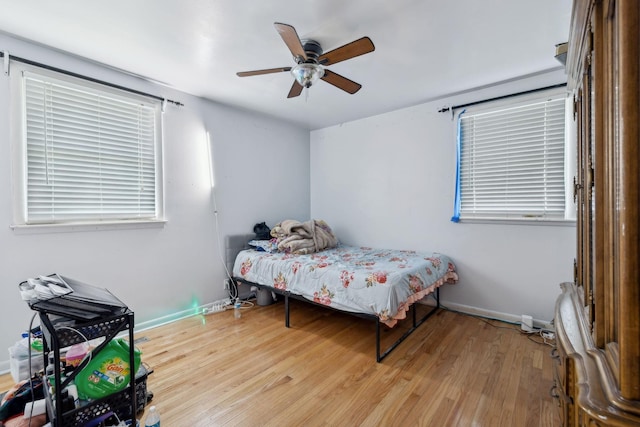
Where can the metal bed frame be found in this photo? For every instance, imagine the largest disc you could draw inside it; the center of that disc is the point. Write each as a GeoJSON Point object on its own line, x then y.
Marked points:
{"type": "Point", "coordinates": [379, 356]}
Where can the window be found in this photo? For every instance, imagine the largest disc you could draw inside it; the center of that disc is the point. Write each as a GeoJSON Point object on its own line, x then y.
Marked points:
{"type": "Point", "coordinates": [512, 160]}
{"type": "Point", "coordinates": [90, 153]}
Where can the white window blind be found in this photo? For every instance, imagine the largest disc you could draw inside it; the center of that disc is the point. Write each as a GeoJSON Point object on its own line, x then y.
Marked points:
{"type": "Point", "coordinates": [90, 153]}
{"type": "Point", "coordinates": [512, 162]}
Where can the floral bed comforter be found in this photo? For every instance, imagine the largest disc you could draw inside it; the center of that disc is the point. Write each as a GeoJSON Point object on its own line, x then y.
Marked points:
{"type": "Point", "coordinates": [356, 279]}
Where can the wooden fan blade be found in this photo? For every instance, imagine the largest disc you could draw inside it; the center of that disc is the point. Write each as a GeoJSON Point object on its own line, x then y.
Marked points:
{"type": "Point", "coordinates": [296, 90]}
{"type": "Point", "coordinates": [348, 51]}
{"type": "Point", "coordinates": [341, 82]}
{"type": "Point", "coordinates": [258, 72]}
{"type": "Point", "coordinates": [291, 39]}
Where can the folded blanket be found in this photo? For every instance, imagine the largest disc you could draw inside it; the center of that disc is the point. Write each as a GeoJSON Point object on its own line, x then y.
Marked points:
{"type": "Point", "coordinates": [303, 237]}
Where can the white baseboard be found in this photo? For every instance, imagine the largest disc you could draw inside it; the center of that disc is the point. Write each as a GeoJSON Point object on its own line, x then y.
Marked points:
{"type": "Point", "coordinates": [546, 325]}
{"type": "Point", "coordinates": [154, 323]}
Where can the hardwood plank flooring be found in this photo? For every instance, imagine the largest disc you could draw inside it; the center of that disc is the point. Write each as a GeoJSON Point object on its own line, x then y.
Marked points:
{"type": "Point", "coordinates": [455, 370]}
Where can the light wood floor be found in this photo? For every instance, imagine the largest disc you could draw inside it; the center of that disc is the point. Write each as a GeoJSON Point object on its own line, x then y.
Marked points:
{"type": "Point", "coordinates": [455, 370]}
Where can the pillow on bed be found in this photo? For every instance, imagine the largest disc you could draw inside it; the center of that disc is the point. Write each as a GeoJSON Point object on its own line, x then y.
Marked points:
{"type": "Point", "coordinates": [264, 245]}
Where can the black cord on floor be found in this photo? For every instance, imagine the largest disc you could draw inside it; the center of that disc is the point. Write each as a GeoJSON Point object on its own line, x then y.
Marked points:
{"type": "Point", "coordinates": [544, 340]}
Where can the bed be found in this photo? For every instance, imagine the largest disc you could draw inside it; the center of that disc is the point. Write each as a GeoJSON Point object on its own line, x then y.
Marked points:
{"type": "Point", "coordinates": [380, 284]}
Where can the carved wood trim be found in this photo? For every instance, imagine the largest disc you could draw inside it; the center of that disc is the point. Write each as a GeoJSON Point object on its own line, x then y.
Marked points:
{"type": "Point", "coordinates": [590, 382]}
{"type": "Point", "coordinates": [628, 16]}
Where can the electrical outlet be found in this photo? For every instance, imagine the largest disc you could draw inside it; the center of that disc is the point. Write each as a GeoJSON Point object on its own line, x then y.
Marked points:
{"type": "Point", "coordinates": [226, 284]}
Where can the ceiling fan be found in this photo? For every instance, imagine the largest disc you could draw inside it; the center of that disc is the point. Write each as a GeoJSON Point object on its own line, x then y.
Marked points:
{"type": "Point", "coordinates": [311, 61]}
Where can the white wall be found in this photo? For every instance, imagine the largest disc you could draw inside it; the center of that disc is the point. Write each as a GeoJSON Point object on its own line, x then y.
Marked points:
{"type": "Point", "coordinates": [388, 181]}
{"type": "Point", "coordinates": [158, 271]}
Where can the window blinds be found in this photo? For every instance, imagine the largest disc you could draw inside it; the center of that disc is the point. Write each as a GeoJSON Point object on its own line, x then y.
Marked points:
{"type": "Point", "coordinates": [90, 154]}
{"type": "Point", "coordinates": [512, 162]}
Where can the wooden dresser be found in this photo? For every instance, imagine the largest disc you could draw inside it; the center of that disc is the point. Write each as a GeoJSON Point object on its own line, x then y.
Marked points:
{"type": "Point", "coordinates": [597, 318]}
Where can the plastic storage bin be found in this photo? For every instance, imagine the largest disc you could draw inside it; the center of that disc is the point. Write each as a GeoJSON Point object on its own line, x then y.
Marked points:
{"type": "Point", "coordinates": [19, 360]}
{"type": "Point", "coordinates": [20, 367]}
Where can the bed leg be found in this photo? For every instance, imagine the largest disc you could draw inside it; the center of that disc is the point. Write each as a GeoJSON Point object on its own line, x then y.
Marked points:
{"type": "Point", "coordinates": [286, 310]}
{"type": "Point", "coordinates": [413, 314]}
{"type": "Point", "coordinates": [416, 323]}
{"type": "Point", "coordinates": [378, 356]}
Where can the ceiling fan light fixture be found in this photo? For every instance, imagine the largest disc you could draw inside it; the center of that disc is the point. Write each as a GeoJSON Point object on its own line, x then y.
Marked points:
{"type": "Point", "coordinates": [307, 73]}
{"type": "Point", "coordinates": [311, 61]}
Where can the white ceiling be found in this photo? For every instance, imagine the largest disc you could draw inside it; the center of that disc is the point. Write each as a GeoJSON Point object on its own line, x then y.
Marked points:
{"type": "Point", "coordinates": [425, 49]}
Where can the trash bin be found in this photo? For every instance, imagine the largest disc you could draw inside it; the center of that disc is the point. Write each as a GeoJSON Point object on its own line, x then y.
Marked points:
{"type": "Point", "coordinates": [264, 297]}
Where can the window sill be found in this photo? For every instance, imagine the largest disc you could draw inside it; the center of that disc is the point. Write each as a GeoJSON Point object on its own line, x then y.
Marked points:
{"type": "Point", "coordinates": [521, 221]}
{"type": "Point", "coordinates": [86, 226]}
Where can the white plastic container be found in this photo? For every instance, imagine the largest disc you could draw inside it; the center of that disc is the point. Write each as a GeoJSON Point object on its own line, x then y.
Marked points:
{"type": "Point", "coordinates": [19, 360]}
{"type": "Point", "coordinates": [153, 418]}
{"type": "Point", "coordinates": [20, 367]}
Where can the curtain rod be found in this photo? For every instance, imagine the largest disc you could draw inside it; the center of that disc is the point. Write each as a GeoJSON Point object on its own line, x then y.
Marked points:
{"type": "Point", "coordinates": [445, 109]}
{"type": "Point", "coordinates": [91, 79]}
